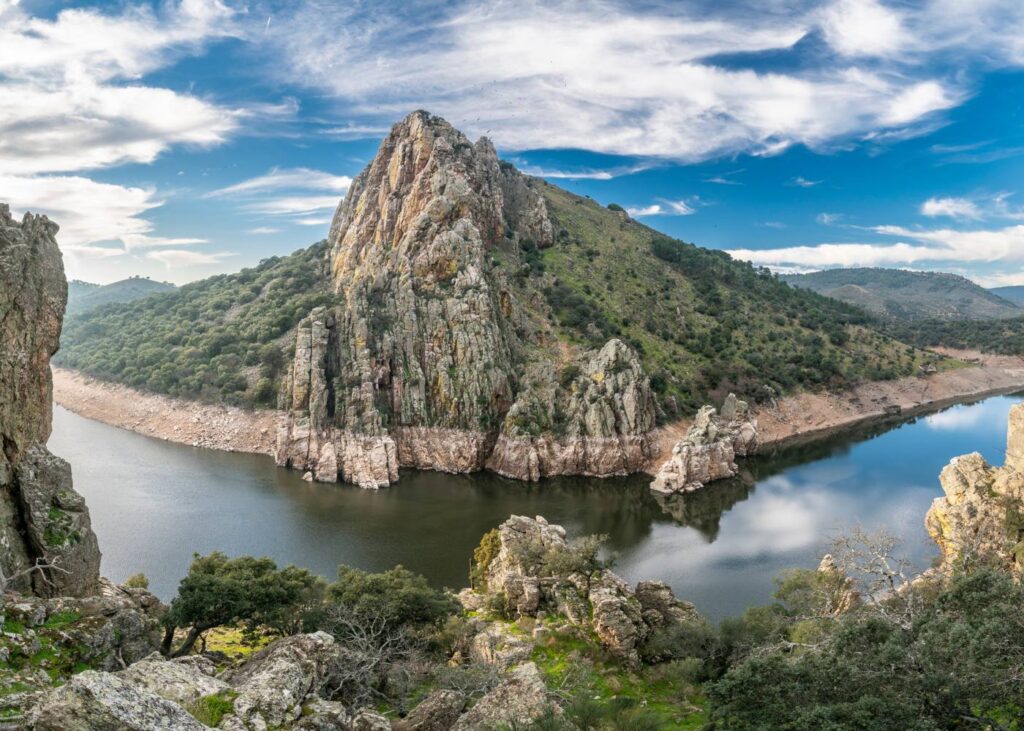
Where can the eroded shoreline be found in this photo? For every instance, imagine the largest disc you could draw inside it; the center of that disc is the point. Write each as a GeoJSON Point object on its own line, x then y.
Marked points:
{"type": "Point", "coordinates": [796, 418]}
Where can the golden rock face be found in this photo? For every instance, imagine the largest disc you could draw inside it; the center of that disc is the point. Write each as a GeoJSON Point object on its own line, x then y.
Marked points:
{"type": "Point", "coordinates": [982, 513]}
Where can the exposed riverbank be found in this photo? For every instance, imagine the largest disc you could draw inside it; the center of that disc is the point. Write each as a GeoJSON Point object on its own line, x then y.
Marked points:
{"type": "Point", "coordinates": [808, 416]}
{"type": "Point", "coordinates": [186, 422]}
{"type": "Point", "coordinates": [792, 418]}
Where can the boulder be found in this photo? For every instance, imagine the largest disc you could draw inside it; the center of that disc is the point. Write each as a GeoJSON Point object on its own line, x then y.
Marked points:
{"type": "Point", "coordinates": [438, 712]}
{"type": "Point", "coordinates": [519, 699]}
{"type": "Point", "coordinates": [99, 701]}
{"type": "Point", "coordinates": [500, 645]}
{"type": "Point", "coordinates": [183, 681]}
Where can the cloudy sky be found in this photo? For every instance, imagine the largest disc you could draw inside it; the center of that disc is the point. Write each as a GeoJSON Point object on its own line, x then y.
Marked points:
{"type": "Point", "coordinates": [182, 139]}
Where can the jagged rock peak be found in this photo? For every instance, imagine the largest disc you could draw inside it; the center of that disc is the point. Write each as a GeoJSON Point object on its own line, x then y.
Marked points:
{"type": "Point", "coordinates": [43, 521]}
{"type": "Point", "coordinates": [981, 512]}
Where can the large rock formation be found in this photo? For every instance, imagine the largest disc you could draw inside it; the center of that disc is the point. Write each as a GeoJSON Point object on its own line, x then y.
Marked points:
{"type": "Point", "coordinates": [519, 574]}
{"type": "Point", "coordinates": [427, 359]}
{"type": "Point", "coordinates": [982, 513]}
{"type": "Point", "coordinates": [47, 546]}
{"type": "Point", "coordinates": [709, 450]}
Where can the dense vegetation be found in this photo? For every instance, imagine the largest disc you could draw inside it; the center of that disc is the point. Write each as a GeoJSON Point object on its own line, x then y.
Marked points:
{"type": "Point", "coordinates": [878, 651]}
{"type": "Point", "coordinates": [992, 336]}
{"type": "Point", "coordinates": [703, 324]}
{"type": "Point", "coordinates": [217, 339]}
{"type": "Point", "coordinates": [85, 296]}
{"type": "Point", "coordinates": [907, 295]}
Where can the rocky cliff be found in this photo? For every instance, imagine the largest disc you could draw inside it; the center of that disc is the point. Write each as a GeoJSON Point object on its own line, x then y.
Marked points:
{"type": "Point", "coordinates": [982, 513]}
{"type": "Point", "coordinates": [47, 546]}
{"type": "Point", "coordinates": [428, 358]}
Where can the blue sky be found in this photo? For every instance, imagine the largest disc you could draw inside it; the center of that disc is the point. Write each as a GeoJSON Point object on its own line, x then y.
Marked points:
{"type": "Point", "coordinates": [182, 139]}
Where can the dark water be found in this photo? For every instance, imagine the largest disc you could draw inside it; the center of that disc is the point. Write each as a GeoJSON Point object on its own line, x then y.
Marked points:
{"type": "Point", "coordinates": [154, 503]}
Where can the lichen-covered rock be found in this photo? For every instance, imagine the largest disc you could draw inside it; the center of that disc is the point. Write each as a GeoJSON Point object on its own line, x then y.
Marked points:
{"type": "Point", "coordinates": [982, 513]}
{"type": "Point", "coordinates": [183, 681]}
{"type": "Point", "coordinates": [709, 450]}
{"type": "Point", "coordinates": [419, 362]}
{"type": "Point", "coordinates": [520, 698]}
{"type": "Point", "coordinates": [43, 521]}
{"type": "Point", "coordinates": [274, 683]}
{"type": "Point", "coordinates": [497, 644]}
{"type": "Point", "coordinates": [660, 607]}
{"type": "Point", "coordinates": [98, 701]}
{"type": "Point", "coordinates": [438, 712]}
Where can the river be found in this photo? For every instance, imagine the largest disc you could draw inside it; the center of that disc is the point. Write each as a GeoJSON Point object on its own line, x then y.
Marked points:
{"type": "Point", "coordinates": [155, 503]}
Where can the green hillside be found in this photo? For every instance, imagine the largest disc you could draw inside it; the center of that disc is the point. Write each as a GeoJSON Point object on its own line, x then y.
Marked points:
{"type": "Point", "coordinates": [906, 295]}
{"type": "Point", "coordinates": [85, 296]}
{"type": "Point", "coordinates": [703, 323]}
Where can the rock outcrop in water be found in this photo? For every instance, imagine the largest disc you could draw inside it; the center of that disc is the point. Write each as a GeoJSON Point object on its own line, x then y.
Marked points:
{"type": "Point", "coordinates": [709, 450]}
{"type": "Point", "coordinates": [982, 513]}
{"type": "Point", "coordinates": [47, 546]}
{"type": "Point", "coordinates": [427, 359]}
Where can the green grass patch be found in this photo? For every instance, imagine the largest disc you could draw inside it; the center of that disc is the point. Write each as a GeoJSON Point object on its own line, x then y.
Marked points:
{"type": "Point", "coordinates": [211, 709]}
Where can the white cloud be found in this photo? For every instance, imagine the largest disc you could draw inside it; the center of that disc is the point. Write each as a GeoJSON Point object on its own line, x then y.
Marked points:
{"type": "Point", "coordinates": [802, 182]}
{"type": "Point", "coordinates": [74, 109]}
{"type": "Point", "coordinates": [284, 179]}
{"type": "Point", "coordinates": [263, 230]}
{"type": "Point", "coordinates": [614, 78]}
{"type": "Point", "coordinates": [289, 205]}
{"type": "Point", "coordinates": [951, 207]}
{"type": "Point", "coordinates": [665, 208]}
{"type": "Point", "coordinates": [174, 258]}
{"type": "Point", "coordinates": [311, 221]}
{"type": "Point", "coordinates": [863, 28]}
{"type": "Point", "coordinates": [1003, 245]}
{"type": "Point", "coordinates": [829, 219]}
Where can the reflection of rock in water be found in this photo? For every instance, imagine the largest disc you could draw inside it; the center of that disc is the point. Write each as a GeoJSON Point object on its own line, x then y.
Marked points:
{"type": "Point", "coordinates": [704, 508]}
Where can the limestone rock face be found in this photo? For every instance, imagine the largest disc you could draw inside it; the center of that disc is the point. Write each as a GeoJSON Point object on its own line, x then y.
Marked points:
{"type": "Point", "coordinates": [98, 701]}
{"type": "Point", "coordinates": [621, 617]}
{"type": "Point", "coordinates": [43, 521]}
{"type": "Point", "coordinates": [520, 698]}
{"type": "Point", "coordinates": [981, 513]}
{"type": "Point", "coordinates": [709, 450]}
{"type": "Point", "coordinates": [419, 361]}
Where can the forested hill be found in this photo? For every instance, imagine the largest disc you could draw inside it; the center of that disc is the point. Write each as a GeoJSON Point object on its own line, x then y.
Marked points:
{"type": "Point", "coordinates": [907, 295]}
{"type": "Point", "coordinates": [1013, 294]}
{"type": "Point", "coordinates": [84, 296]}
{"type": "Point", "coordinates": [702, 323]}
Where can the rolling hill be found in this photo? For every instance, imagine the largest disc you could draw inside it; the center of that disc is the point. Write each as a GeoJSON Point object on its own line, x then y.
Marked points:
{"type": "Point", "coordinates": [1013, 294]}
{"type": "Point", "coordinates": [460, 318]}
{"type": "Point", "coordinates": [85, 296]}
{"type": "Point", "coordinates": [907, 295]}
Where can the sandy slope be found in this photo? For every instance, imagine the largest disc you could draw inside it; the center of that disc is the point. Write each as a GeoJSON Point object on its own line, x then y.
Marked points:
{"type": "Point", "coordinates": [795, 417]}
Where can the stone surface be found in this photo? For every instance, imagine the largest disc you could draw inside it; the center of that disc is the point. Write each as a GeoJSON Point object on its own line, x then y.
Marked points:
{"type": "Point", "coordinates": [425, 359]}
{"type": "Point", "coordinates": [183, 681]}
{"type": "Point", "coordinates": [497, 644]}
{"type": "Point", "coordinates": [43, 521]}
{"type": "Point", "coordinates": [438, 712]}
{"type": "Point", "coordinates": [98, 701]}
{"type": "Point", "coordinates": [274, 683]}
{"type": "Point", "coordinates": [709, 450]}
{"type": "Point", "coordinates": [520, 698]}
{"type": "Point", "coordinates": [982, 512]}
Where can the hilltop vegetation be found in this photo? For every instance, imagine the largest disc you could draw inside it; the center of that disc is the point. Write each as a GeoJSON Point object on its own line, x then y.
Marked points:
{"type": "Point", "coordinates": [702, 323]}
{"type": "Point", "coordinates": [85, 296]}
{"type": "Point", "coordinates": [907, 295]}
{"type": "Point", "coordinates": [1005, 337]}
{"type": "Point", "coordinates": [221, 338]}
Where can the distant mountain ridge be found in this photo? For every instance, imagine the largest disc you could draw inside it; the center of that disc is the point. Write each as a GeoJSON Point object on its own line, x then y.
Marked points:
{"type": "Point", "coordinates": [1014, 294]}
{"type": "Point", "coordinates": [85, 296]}
{"type": "Point", "coordinates": [909, 295]}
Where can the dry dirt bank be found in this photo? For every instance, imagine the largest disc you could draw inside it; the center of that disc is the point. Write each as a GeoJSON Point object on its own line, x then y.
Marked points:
{"type": "Point", "coordinates": [792, 418]}
{"type": "Point", "coordinates": [187, 422]}
{"type": "Point", "coordinates": [810, 415]}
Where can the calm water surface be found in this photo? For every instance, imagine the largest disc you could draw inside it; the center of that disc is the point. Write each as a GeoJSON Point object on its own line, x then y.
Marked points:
{"type": "Point", "coordinates": [154, 504]}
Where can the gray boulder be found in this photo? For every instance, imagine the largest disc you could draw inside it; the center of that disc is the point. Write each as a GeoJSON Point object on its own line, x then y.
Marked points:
{"type": "Point", "coordinates": [520, 698]}
{"type": "Point", "coordinates": [439, 712]}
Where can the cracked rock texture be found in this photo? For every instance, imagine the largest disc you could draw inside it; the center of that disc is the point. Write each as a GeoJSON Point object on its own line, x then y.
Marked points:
{"type": "Point", "coordinates": [982, 512]}
{"type": "Point", "coordinates": [426, 358]}
{"type": "Point", "coordinates": [708, 451]}
{"type": "Point", "coordinates": [43, 521]}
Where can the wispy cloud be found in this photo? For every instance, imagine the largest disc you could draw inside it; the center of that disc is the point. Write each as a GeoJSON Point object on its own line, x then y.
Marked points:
{"type": "Point", "coordinates": [174, 258]}
{"type": "Point", "coordinates": [263, 230]}
{"type": "Point", "coordinates": [584, 174]}
{"type": "Point", "coordinates": [618, 78]}
{"type": "Point", "coordinates": [950, 207]}
{"type": "Point", "coordinates": [802, 182]}
{"type": "Point", "coordinates": [665, 208]}
{"type": "Point", "coordinates": [284, 179]}
{"type": "Point", "coordinates": [829, 219]}
{"type": "Point", "coordinates": [288, 192]}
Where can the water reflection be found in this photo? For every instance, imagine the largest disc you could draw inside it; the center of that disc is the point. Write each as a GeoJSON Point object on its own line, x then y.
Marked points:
{"type": "Point", "coordinates": [154, 503]}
